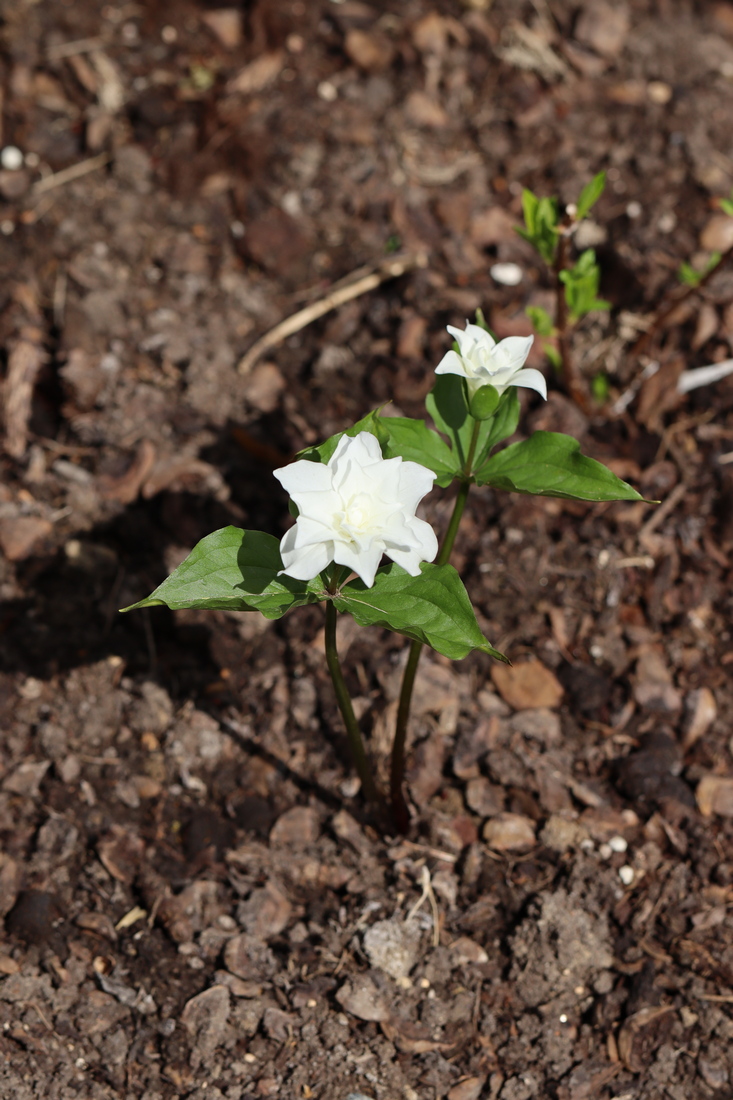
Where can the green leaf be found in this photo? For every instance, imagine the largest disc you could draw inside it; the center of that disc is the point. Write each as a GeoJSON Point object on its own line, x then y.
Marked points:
{"type": "Point", "coordinates": [432, 608]}
{"type": "Point", "coordinates": [600, 387]}
{"type": "Point", "coordinates": [553, 355]}
{"type": "Point", "coordinates": [581, 286]}
{"type": "Point", "coordinates": [484, 402]}
{"type": "Point", "coordinates": [501, 426]}
{"type": "Point", "coordinates": [687, 274]}
{"type": "Point", "coordinates": [372, 422]}
{"type": "Point", "coordinates": [541, 320]}
{"type": "Point", "coordinates": [590, 195]}
{"type": "Point", "coordinates": [692, 277]}
{"type": "Point", "coordinates": [541, 217]}
{"type": "Point", "coordinates": [235, 570]}
{"type": "Point", "coordinates": [413, 441]}
{"type": "Point", "coordinates": [530, 203]}
{"type": "Point", "coordinates": [550, 464]}
{"type": "Point", "coordinates": [398, 436]}
{"type": "Point", "coordinates": [448, 405]}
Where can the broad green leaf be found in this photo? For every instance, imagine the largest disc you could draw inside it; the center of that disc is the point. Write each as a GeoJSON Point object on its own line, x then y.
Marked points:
{"type": "Point", "coordinates": [235, 570]}
{"type": "Point", "coordinates": [398, 436]}
{"type": "Point", "coordinates": [432, 608]}
{"type": "Point", "coordinates": [372, 422]}
{"type": "Point", "coordinates": [550, 464]}
{"type": "Point", "coordinates": [590, 194]}
{"type": "Point", "coordinates": [484, 402]}
{"type": "Point", "coordinates": [413, 441]}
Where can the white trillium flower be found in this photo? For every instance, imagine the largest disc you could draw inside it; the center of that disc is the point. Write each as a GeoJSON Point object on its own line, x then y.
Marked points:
{"type": "Point", "coordinates": [355, 509]}
{"type": "Point", "coordinates": [484, 362]}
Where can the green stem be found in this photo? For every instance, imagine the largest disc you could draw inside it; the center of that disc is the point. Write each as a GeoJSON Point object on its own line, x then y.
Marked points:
{"type": "Point", "coordinates": [343, 699]}
{"type": "Point", "coordinates": [570, 376]}
{"type": "Point", "coordinates": [400, 812]}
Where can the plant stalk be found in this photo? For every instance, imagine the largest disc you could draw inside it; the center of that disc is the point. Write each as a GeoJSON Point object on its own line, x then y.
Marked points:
{"type": "Point", "coordinates": [570, 377]}
{"type": "Point", "coordinates": [400, 812]}
{"type": "Point", "coordinates": [343, 699]}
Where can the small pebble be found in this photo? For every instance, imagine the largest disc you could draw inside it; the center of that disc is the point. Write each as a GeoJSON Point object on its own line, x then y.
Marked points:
{"type": "Point", "coordinates": [618, 844]}
{"type": "Point", "coordinates": [626, 874]}
{"type": "Point", "coordinates": [327, 91]}
{"type": "Point", "coordinates": [633, 210]}
{"type": "Point", "coordinates": [506, 274]}
{"type": "Point", "coordinates": [659, 92]}
{"type": "Point", "coordinates": [11, 158]}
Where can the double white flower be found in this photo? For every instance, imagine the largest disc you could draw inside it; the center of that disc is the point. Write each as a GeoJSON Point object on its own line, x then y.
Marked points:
{"type": "Point", "coordinates": [355, 509]}
{"type": "Point", "coordinates": [483, 362]}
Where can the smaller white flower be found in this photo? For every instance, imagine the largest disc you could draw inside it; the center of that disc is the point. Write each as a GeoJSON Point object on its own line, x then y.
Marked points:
{"type": "Point", "coordinates": [355, 509]}
{"type": "Point", "coordinates": [484, 362]}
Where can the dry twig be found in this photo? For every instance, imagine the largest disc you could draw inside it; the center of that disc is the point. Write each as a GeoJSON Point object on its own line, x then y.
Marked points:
{"type": "Point", "coordinates": [346, 291]}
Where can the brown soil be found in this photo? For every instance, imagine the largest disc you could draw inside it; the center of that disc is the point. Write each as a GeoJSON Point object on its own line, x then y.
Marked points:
{"type": "Point", "coordinates": [194, 902]}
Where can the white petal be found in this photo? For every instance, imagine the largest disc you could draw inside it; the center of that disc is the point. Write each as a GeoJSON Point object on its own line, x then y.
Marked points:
{"type": "Point", "coordinates": [480, 336]}
{"type": "Point", "coordinates": [511, 353]}
{"type": "Point", "coordinates": [531, 379]}
{"type": "Point", "coordinates": [452, 363]}
{"type": "Point", "coordinates": [408, 559]}
{"type": "Point", "coordinates": [365, 564]}
{"type": "Point", "coordinates": [304, 477]}
{"type": "Point", "coordinates": [458, 334]}
{"type": "Point", "coordinates": [308, 532]}
{"type": "Point", "coordinates": [307, 563]}
{"type": "Point", "coordinates": [363, 449]}
{"type": "Point", "coordinates": [414, 482]}
{"type": "Point", "coordinates": [342, 445]}
{"type": "Point", "coordinates": [423, 539]}
{"type": "Point", "coordinates": [320, 505]}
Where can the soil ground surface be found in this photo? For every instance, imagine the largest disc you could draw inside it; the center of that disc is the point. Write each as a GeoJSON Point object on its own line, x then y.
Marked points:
{"type": "Point", "coordinates": [195, 903]}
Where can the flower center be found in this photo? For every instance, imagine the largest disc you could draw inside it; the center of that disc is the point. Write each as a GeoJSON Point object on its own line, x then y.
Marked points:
{"type": "Point", "coordinates": [357, 519]}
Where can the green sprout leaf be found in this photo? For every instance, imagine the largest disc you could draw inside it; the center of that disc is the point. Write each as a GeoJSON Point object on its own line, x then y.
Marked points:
{"type": "Point", "coordinates": [235, 570]}
{"type": "Point", "coordinates": [433, 608]}
{"type": "Point", "coordinates": [541, 218]}
{"type": "Point", "coordinates": [541, 320]}
{"type": "Point", "coordinates": [687, 274]}
{"type": "Point", "coordinates": [484, 403]}
{"type": "Point", "coordinates": [600, 387]}
{"type": "Point", "coordinates": [690, 276]}
{"type": "Point", "coordinates": [550, 464]}
{"type": "Point", "coordinates": [553, 355]}
{"type": "Point", "coordinates": [581, 286]}
{"type": "Point", "coordinates": [590, 195]}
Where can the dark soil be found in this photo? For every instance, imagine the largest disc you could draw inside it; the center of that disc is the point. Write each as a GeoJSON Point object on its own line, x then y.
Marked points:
{"type": "Point", "coordinates": [195, 903]}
